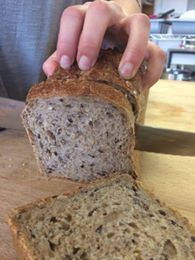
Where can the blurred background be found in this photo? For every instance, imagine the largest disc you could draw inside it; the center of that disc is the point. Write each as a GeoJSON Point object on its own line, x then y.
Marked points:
{"type": "Point", "coordinates": [173, 29]}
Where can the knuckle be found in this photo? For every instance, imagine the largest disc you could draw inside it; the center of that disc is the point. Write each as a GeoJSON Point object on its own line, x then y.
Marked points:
{"type": "Point", "coordinates": [161, 54]}
{"type": "Point", "coordinates": [143, 19]}
{"type": "Point", "coordinates": [87, 46]}
{"type": "Point", "coordinates": [72, 11]}
{"type": "Point", "coordinates": [157, 52]}
{"type": "Point", "coordinates": [136, 54]}
{"type": "Point", "coordinates": [100, 6]}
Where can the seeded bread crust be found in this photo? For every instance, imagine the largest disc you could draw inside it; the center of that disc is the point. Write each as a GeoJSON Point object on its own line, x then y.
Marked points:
{"type": "Point", "coordinates": [101, 81]}
{"type": "Point", "coordinates": [22, 242]}
{"type": "Point", "coordinates": [59, 87]}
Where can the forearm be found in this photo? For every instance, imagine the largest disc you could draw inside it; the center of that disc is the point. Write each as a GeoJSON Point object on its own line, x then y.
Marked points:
{"type": "Point", "coordinates": [130, 6]}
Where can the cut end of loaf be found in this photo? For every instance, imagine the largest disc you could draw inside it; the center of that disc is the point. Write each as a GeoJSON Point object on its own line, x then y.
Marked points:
{"type": "Point", "coordinates": [115, 219]}
{"type": "Point", "coordinates": [81, 138]}
{"type": "Point", "coordinates": [68, 143]}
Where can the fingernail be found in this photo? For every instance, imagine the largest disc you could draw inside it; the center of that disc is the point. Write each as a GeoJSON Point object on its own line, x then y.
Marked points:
{"type": "Point", "coordinates": [84, 63]}
{"type": "Point", "coordinates": [127, 70]}
{"type": "Point", "coordinates": [65, 62]}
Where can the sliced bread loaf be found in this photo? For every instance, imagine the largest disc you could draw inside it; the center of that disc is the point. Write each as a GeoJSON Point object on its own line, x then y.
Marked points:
{"type": "Point", "coordinates": [81, 123]}
{"type": "Point", "coordinates": [110, 220]}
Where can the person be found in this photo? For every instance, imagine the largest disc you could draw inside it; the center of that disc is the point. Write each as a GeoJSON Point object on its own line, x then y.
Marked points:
{"type": "Point", "coordinates": [53, 33]}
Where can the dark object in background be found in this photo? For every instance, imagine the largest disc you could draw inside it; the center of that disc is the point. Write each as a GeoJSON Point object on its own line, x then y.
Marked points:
{"type": "Point", "coordinates": [2, 129]}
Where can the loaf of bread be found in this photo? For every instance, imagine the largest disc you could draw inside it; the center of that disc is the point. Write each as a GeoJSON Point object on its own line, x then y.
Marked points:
{"type": "Point", "coordinates": [111, 219]}
{"type": "Point", "coordinates": [81, 123]}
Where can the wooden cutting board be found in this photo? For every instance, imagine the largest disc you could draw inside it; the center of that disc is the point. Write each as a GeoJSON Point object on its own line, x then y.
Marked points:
{"type": "Point", "coordinates": [170, 178]}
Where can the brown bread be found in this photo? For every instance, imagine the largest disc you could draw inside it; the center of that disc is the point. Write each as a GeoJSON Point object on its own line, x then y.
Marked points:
{"type": "Point", "coordinates": [81, 123]}
{"type": "Point", "coordinates": [109, 220]}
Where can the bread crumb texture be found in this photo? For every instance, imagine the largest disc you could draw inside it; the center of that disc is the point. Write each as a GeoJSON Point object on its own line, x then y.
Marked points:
{"type": "Point", "coordinates": [114, 220]}
{"type": "Point", "coordinates": [81, 138]}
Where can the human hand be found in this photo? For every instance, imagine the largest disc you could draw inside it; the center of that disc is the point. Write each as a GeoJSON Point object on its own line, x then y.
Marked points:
{"type": "Point", "coordinates": [85, 28]}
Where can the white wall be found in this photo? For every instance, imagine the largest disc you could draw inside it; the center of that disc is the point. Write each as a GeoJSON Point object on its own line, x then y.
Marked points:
{"type": "Point", "coordinates": [191, 4]}
{"type": "Point", "coordinates": [161, 6]}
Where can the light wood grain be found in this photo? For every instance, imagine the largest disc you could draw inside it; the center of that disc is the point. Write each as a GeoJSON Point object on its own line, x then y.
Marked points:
{"type": "Point", "coordinates": [170, 178]}
{"type": "Point", "coordinates": [172, 105]}
{"type": "Point", "coordinates": [21, 183]}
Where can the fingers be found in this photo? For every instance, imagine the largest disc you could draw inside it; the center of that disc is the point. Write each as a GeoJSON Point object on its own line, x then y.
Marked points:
{"type": "Point", "coordinates": [156, 61]}
{"type": "Point", "coordinates": [70, 29]}
{"type": "Point", "coordinates": [100, 15]}
{"type": "Point", "coordinates": [82, 30]}
{"type": "Point", "coordinates": [50, 65]}
{"type": "Point", "coordinates": [138, 28]}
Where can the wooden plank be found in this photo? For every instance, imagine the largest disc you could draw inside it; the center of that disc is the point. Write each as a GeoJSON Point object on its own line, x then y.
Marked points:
{"type": "Point", "coordinates": [171, 179]}
{"type": "Point", "coordinates": [172, 105]}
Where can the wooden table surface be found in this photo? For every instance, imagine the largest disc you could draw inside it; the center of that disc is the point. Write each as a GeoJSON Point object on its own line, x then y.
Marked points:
{"type": "Point", "coordinates": [170, 178]}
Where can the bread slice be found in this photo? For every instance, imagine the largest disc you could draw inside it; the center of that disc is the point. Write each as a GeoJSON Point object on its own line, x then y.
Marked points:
{"type": "Point", "coordinates": [109, 220]}
{"type": "Point", "coordinates": [81, 123]}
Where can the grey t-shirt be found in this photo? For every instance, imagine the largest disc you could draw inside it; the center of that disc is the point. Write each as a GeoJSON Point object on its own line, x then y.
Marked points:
{"type": "Point", "coordinates": [28, 35]}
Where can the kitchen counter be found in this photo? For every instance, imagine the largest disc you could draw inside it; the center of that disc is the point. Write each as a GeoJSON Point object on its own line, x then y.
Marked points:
{"type": "Point", "coordinates": [170, 178]}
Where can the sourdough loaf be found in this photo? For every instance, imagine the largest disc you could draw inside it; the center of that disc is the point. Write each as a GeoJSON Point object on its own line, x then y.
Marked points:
{"type": "Point", "coordinates": [109, 220]}
{"type": "Point", "coordinates": [81, 123]}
